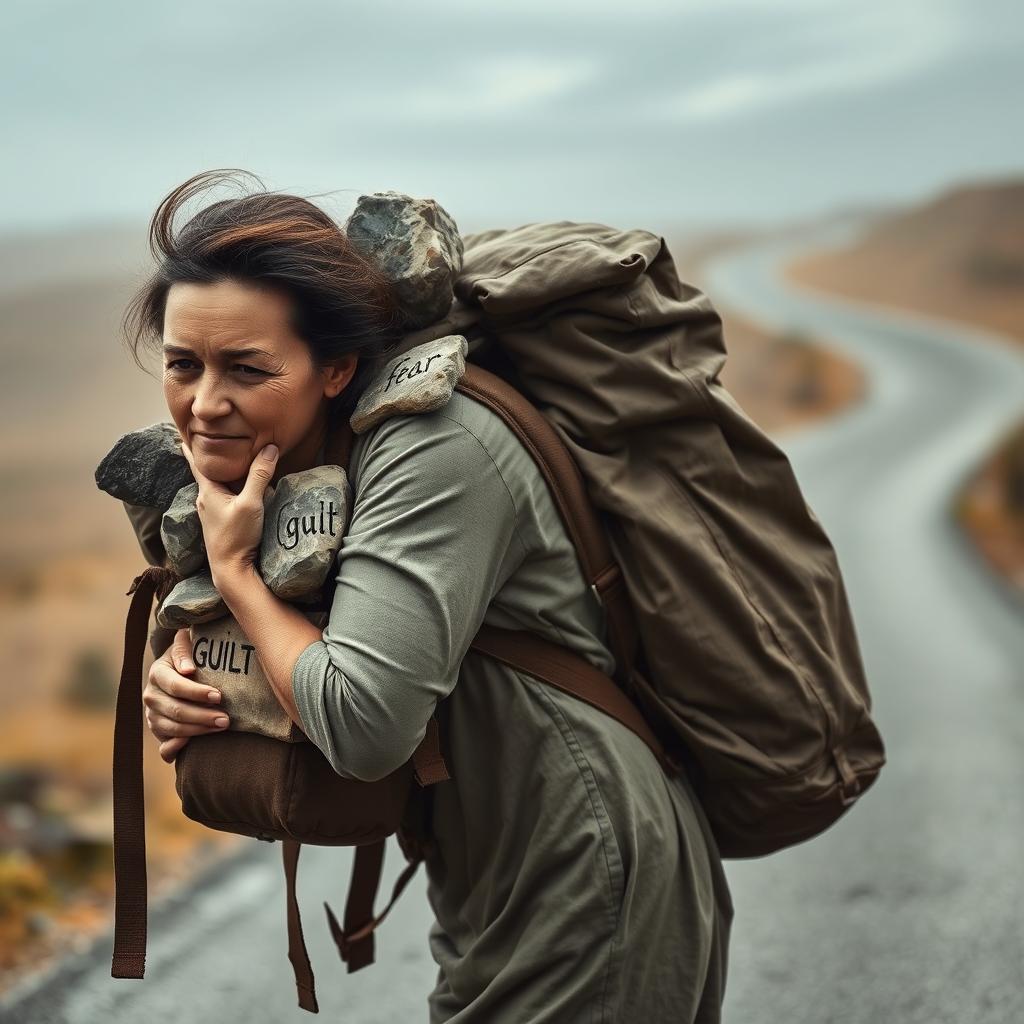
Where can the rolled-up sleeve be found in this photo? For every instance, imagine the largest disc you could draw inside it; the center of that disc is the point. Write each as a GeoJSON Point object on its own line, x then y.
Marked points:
{"type": "Point", "coordinates": [432, 537]}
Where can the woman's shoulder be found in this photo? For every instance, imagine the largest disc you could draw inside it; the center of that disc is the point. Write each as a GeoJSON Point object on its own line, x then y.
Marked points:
{"type": "Point", "coordinates": [461, 429]}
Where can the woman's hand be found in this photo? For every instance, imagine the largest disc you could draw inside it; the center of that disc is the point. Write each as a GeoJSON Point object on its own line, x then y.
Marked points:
{"type": "Point", "coordinates": [233, 523]}
{"type": "Point", "coordinates": [177, 707]}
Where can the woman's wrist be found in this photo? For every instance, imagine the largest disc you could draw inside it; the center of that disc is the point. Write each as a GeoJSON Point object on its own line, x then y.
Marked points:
{"type": "Point", "coordinates": [234, 579]}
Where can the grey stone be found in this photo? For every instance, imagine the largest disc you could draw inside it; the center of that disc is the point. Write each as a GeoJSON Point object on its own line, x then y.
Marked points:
{"type": "Point", "coordinates": [417, 244]}
{"type": "Point", "coordinates": [303, 527]}
{"type": "Point", "coordinates": [192, 601]}
{"type": "Point", "coordinates": [418, 380]}
{"type": "Point", "coordinates": [145, 467]}
{"type": "Point", "coordinates": [181, 531]}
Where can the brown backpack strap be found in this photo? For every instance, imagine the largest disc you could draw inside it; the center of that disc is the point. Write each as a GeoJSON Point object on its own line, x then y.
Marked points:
{"type": "Point", "coordinates": [571, 673]}
{"type": "Point", "coordinates": [569, 491]}
{"type": "Point", "coordinates": [355, 942]}
{"type": "Point", "coordinates": [305, 984]}
{"type": "Point", "coordinates": [427, 760]}
{"type": "Point", "coordinates": [129, 957]}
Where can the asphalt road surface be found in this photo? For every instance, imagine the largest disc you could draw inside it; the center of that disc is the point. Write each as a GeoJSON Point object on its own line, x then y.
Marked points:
{"type": "Point", "coordinates": [910, 909]}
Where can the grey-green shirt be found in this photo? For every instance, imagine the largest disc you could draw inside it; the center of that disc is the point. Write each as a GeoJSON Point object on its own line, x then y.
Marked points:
{"type": "Point", "coordinates": [572, 881]}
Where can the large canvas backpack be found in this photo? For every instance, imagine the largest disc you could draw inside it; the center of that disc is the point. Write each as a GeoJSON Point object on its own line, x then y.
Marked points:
{"type": "Point", "coordinates": [736, 654]}
{"type": "Point", "coordinates": [742, 650]}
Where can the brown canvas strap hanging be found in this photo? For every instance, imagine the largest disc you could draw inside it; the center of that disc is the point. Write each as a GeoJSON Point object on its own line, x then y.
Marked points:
{"type": "Point", "coordinates": [129, 958]}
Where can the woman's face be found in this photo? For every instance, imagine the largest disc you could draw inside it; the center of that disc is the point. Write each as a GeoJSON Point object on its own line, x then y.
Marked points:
{"type": "Point", "coordinates": [273, 392]}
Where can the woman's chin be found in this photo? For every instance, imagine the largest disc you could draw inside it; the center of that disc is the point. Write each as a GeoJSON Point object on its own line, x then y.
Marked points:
{"type": "Point", "coordinates": [222, 468]}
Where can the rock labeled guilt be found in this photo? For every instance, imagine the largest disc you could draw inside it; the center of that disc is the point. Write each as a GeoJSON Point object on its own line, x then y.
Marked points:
{"type": "Point", "coordinates": [303, 526]}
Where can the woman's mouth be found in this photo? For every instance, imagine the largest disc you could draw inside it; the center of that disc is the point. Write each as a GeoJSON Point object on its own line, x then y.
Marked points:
{"type": "Point", "coordinates": [218, 442]}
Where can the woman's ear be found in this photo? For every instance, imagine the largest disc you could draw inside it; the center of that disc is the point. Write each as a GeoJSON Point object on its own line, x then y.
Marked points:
{"type": "Point", "coordinates": [338, 373]}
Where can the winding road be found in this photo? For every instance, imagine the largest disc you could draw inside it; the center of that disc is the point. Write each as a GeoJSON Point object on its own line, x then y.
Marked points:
{"type": "Point", "coordinates": [910, 909]}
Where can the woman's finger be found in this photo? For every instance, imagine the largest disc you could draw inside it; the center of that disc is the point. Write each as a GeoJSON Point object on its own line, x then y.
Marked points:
{"type": "Point", "coordinates": [164, 727]}
{"type": "Point", "coordinates": [181, 652]}
{"type": "Point", "coordinates": [261, 471]}
{"type": "Point", "coordinates": [169, 748]}
{"type": "Point", "coordinates": [164, 677]}
{"type": "Point", "coordinates": [161, 703]}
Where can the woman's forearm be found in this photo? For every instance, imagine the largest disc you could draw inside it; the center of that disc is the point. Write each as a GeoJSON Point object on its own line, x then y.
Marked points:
{"type": "Point", "coordinates": [278, 630]}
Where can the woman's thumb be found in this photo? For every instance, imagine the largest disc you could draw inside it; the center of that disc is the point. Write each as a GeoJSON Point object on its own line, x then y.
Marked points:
{"type": "Point", "coordinates": [261, 472]}
{"type": "Point", "coordinates": [181, 651]}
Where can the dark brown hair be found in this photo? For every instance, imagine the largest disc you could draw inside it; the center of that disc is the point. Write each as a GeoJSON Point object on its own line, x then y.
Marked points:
{"type": "Point", "coordinates": [341, 300]}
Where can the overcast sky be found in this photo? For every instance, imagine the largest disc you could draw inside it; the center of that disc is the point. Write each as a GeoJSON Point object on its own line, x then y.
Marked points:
{"type": "Point", "coordinates": [641, 113]}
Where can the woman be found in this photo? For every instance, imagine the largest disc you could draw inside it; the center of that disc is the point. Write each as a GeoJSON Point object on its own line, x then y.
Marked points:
{"type": "Point", "coordinates": [570, 879]}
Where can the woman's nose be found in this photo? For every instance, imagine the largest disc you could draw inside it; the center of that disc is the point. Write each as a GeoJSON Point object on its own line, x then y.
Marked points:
{"type": "Point", "coordinates": [210, 401]}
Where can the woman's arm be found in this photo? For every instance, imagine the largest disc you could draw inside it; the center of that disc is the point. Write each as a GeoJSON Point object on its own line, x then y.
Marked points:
{"type": "Point", "coordinates": [433, 536]}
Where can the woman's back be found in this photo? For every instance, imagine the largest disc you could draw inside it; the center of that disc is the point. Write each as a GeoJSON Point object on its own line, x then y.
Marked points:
{"type": "Point", "coordinates": [571, 880]}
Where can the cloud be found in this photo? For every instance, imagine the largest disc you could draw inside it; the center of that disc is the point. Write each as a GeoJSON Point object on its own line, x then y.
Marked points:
{"type": "Point", "coordinates": [584, 108]}
{"type": "Point", "coordinates": [857, 50]}
{"type": "Point", "coordinates": [501, 84]}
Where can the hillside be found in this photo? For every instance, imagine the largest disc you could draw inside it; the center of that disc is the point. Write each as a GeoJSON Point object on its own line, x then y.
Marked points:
{"type": "Point", "coordinates": [959, 255]}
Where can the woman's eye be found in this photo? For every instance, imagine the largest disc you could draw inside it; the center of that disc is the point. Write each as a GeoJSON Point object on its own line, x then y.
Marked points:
{"type": "Point", "coordinates": [176, 364]}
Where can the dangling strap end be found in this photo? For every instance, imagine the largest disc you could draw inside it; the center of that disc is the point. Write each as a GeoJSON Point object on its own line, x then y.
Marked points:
{"type": "Point", "coordinates": [128, 965]}
{"type": "Point", "coordinates": [305, 983]}
{"type": "Point", "coordinates": [356, 950]}
{"type": "Point", "coordinates": [307, 998]}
